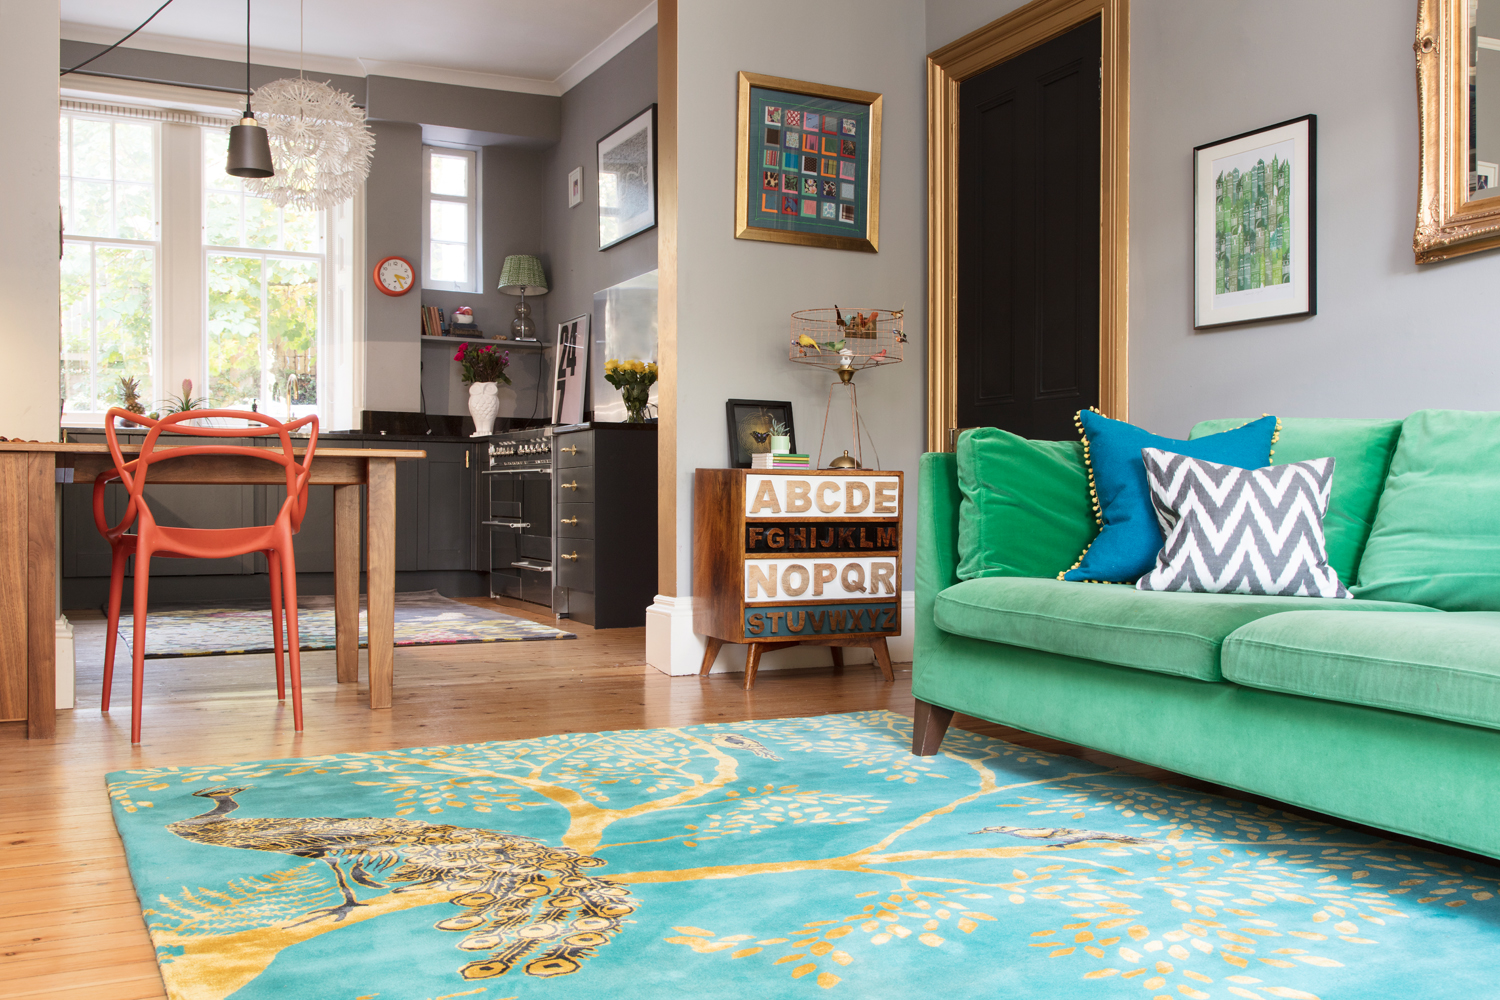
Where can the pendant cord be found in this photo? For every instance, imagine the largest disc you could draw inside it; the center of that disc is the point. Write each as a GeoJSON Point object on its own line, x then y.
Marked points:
{"type": "Point", "coordinates": [117, 44]}
{"type": "Point", "coordinates": [301, 36]}
{"type": "Point", "coordinates": [248, 112]}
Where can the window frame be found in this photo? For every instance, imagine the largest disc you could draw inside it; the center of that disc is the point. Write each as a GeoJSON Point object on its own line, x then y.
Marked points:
{"type": "Point", "coordinates": [472, 201]}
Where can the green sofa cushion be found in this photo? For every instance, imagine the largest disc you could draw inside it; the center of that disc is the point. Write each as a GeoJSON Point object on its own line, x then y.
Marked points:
{"type": "Point", "coordinates": [1436, 538]}
{"type": "Point", "coordinates": [1442, 665]}
{"type": "Point", "coordinates": [1026, 508]}
{"type": "Point", "coordinates": [1167, 633]}
{"type": "Point", "coordinates": [1362, 456]}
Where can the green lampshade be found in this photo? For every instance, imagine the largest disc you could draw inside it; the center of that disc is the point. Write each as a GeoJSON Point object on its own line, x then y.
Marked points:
{"type": "Point", "coordinates": [522, 274]}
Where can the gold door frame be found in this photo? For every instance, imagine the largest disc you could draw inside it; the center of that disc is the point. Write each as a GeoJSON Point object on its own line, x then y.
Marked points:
{"type": "Point", "coordinates": [1449, 224]}
{"type": "Point", "coordinates": [1024, 29]}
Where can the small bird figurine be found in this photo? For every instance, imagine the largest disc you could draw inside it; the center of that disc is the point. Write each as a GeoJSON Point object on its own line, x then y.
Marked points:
{"type": "Point", "coordinates": [1062, 836]}
{"type": "Point", "coordinates": [878, 354]}
{"type": "Point", "coordinates": [737, 742]}
{"type": "Point", "coordinates": [807, 341]}
{"type": "Point", "coordinates": [834, 345]}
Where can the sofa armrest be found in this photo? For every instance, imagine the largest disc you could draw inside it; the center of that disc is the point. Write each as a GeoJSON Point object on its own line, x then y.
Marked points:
{"type": "Point", "coordinates": [938, 498]}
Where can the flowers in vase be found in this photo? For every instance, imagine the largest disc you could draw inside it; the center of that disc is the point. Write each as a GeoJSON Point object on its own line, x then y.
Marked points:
{"type": "Point", "coordinates": [483, 364]}
{"type": "Point", "coordinates": [634, 380]}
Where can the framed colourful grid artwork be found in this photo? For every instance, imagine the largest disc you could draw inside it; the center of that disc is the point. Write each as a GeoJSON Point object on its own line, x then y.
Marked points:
{"type": "Point", "coordinates": [826, 141]}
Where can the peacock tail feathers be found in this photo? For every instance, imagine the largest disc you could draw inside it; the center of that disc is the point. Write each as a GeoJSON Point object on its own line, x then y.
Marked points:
{"type": "Point", "coordinates": [247, 903]}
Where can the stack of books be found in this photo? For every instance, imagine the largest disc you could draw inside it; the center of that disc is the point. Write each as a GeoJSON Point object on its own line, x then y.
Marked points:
{"type": "Point", "coordinates": [766, 460]}
{"type": "Point", "coordinates": [432, 321]}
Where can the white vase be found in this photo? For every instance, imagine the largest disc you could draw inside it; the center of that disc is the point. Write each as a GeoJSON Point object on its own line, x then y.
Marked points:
{"type": "Point", "coordinates": [484, 403]}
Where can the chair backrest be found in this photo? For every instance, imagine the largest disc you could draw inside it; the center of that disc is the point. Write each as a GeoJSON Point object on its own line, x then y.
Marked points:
{"type": "Point", "coordinates": [133, 474]}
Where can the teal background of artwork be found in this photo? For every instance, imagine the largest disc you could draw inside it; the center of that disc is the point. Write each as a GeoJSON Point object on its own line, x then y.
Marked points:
{"type": "Point", "coordinates": [759, 99]}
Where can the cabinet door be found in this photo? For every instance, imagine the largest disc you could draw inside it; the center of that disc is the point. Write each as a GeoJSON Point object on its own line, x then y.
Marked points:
{"type": "Point", "coordinates": [445, 505]}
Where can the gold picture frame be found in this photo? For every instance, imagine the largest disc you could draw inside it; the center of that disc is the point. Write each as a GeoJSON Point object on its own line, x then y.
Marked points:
{"type": "Point", "coordinates": [850, 192]}
{"type": "Point", "coordinates": [1449, 222]}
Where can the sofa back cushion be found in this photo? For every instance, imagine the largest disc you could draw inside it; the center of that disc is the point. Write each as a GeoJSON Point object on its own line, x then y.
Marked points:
{"type": "Point", "coordinates": [1361, 450]}
{"type": "Point", "coordinates": [1025, 509]}
{"type": "Point", "coordinates": [1436, 537]}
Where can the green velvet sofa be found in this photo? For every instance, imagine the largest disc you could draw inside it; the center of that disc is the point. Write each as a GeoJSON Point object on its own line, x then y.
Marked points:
{"type": "Point", "coordinates": [1383, 710]}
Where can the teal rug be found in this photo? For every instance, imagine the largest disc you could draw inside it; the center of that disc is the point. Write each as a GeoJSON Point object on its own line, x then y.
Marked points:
{"type": "Point", "coordinates": [774, 859]}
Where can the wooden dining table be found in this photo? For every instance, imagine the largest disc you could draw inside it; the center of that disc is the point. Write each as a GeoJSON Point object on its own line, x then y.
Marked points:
{"type": "Point", "coordinates": [30, 473]}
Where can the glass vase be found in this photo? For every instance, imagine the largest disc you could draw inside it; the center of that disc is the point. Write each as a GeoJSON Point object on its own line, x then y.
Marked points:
{"type": "Point", "coordinates": [636, 399]}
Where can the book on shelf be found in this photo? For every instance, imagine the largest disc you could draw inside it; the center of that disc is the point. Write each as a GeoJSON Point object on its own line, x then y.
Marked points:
{"type": "Point", "coordinates": [766, 460]}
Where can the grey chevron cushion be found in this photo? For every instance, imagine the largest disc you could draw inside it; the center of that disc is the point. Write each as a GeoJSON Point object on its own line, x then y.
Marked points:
{"type": "Point", "coordinates": [1241, 531]}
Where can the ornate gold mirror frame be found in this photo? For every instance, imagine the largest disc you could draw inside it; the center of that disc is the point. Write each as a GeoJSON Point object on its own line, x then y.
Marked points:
{"type": "Point", "coordinates": [1449, 223]}
{"type": "Point", "coordinates": [1020, 30]}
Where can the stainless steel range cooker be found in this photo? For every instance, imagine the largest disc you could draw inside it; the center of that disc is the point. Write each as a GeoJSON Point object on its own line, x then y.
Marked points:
{"type": "Point", "coordinates": [517, 514]}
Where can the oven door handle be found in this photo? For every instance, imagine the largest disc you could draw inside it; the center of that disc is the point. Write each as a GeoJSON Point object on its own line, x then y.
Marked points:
{"type": "Point", "coordinates": [532, 566]}
{"type": "Point", "coordinates": [509, 524]}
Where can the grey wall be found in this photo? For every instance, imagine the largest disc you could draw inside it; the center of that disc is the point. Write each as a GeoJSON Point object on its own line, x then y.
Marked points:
{"type": "Point", "coordinates": [736, 296]}
{"type": "Point", "coordinates": [192, 71]}
{"type": "Point", "coordinates": [600, 103]}
{"type": "Point", "coordinates": [393, 228]}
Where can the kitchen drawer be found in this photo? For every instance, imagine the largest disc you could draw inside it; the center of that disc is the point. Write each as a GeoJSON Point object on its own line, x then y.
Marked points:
{"type": "Point", "coordinates": [581, 516]}
{"type": "Point", "coordinates": [574, 449]}
{"type": "Point", "coordinates": [575, 485]}
{"type": "Point", "coordinates": [577, 573]}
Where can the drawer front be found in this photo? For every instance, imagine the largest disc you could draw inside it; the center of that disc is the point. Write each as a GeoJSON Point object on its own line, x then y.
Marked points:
{"type": "Point", "coordinates": [578, 572]}
{"type": "Point", "coordinates": [575, 485]}
{"type": "Point", "coordinates": [575, 520]}
{"type": "Point", "coordinates": [574, 449]}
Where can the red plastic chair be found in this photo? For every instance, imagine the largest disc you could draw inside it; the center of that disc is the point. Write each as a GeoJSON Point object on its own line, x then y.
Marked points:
{"type": "Point", "coordinates": [152, 540]}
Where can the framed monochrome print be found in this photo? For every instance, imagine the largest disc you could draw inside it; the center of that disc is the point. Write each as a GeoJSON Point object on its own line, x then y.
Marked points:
{"type": "Point", "coordinates": [575, 187]}
{"type": "Point", "coordinates": [570, 373]}
{"type": "Point", "coordinates": [750, 424]}
{"type": "Point", "coordinates": [807, 164]}
{"type": "Point", "coordinates": [1255, 225]}
{"type": "Point", "coordinates": [627, 179]}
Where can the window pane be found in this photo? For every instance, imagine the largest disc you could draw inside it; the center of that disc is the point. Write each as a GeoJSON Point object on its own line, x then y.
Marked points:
{"type": "Point", "coordinates": [234, 357]}
{"type": "Point", "coordinates": [450, 262]}
{"type": "Point", "coordinates": [77, 328]}
{"type": "Point", "coordinates": [450, 175]}
{"type": "Point", "coordinates": [215, 156]}
{"type": "Point", "coordinates": [135, 153]}
{"type": "Point", "coordinates": [450, 221]}
{"type": "Point", "coordinates": [135, 212]}
{"type": "Point", "coordinates": [221, 226]}
{"type": "Point", "coordinates": [292, 333]}
{"type": "Point", "coordinates": [262, 224]}
{"type": "Point", "coordinates": [125, 312]}
{"type": "Point", "coordinates": [299, 230]}
{"type": "Point", "coordinates": [91, 153]}
{"type": "Point", "coordinates": [91, 209]}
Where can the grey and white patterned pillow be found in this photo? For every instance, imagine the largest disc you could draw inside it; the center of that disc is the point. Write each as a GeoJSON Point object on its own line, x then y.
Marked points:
{"type": "Point", "coordinates": [1241, 531]}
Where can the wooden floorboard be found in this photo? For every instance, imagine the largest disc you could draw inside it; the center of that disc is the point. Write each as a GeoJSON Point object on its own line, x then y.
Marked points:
{"type": "Point", "coordinates": [70, 925]}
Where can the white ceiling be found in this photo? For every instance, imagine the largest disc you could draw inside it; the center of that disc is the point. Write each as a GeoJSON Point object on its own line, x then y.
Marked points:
{"type": "Point", "coordinates": [538, 47]}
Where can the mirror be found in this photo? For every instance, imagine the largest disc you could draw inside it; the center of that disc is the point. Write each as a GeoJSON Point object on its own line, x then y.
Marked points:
{"type": "Point", "coordinates": [1484, 98]}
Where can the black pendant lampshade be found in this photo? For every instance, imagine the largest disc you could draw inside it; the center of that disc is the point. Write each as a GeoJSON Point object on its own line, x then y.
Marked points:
{"type": "Point", "coordinates": [249, 144]}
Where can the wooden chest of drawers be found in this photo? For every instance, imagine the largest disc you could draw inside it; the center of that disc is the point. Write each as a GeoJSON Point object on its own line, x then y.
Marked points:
{"type": "Point", "coordinates": [785, 558]}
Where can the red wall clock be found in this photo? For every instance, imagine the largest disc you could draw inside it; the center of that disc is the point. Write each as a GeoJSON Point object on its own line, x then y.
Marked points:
{"type": "Point", "coordinates": [394, 276]}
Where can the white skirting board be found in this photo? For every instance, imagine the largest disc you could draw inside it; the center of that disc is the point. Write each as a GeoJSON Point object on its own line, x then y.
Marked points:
{"type": "Point", "coordinates": [65, 662]}
{"type": "Point", "coordinates": [674, 648]}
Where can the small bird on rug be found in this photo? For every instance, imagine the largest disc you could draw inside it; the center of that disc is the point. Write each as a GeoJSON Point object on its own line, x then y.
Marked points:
{"type": "Point", "coordinates": [738, 742]}
{"type": "Point", "coordinates": [1062, 836]}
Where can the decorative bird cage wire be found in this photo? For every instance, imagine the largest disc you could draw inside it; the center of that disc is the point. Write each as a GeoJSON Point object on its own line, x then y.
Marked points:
{"type": "Point", "coordinates": [845, 341]}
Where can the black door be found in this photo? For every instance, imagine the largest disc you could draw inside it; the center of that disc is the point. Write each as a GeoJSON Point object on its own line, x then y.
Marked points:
{"type": "Point", "coordinates": [1028, 239]}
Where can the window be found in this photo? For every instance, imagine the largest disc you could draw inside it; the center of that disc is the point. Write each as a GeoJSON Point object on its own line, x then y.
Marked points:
{"type": "Point", "coordinates": [112, 221]}
{"type": "Point", "coordinates": [450, 220]}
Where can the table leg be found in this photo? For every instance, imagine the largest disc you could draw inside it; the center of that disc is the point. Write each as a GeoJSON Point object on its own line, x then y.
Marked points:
{"type": "Point", "coordinates": [14, 555]}
{"type": "Point", "coordinates": [380, 570]}
{"type": "Point", "coordinates": [883, 657]}
{"type": "Point", "coordinates": [711, 649]}
{"type": "Point", "coordinates": [41, 622]}
{"type": "Point", "coordinates": [346, 581]}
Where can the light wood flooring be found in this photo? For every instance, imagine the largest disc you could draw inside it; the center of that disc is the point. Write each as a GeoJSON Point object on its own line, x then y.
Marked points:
{"type": "Point", "coordinates": [70, 924]}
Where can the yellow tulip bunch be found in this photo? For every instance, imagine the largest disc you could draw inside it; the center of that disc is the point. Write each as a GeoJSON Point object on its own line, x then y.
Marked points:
{"type": "Point", "coordinates": [632, 365]}
{"type": "Point", "coordinates": [633, 378]}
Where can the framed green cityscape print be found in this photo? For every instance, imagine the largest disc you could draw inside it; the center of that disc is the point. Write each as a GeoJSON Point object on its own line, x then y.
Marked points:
{"type": "Point", "coordinates": [1255, 225]}
{"type": "Point", "coordinates": [808, 164]}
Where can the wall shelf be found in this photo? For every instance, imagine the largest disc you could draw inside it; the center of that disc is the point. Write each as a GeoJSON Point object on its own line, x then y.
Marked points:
{"type": "Point", "coordinates": [483, 340]}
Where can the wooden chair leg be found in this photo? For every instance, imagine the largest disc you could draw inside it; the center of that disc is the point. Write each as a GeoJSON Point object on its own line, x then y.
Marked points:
{"type": "Point", "coordinates": [112, 636]}
{"type": "Point", "coordinates": [293, 642]}
{"type": "Point", "coordinates": [752, 662]}
{"type": "Point", "coordinates": [273, 567]}
{"type": "Point", "coordinates": [838, 656]}
{"type": "Point", "coordinates": [929, 725]}
{"type": "Point", "coordinates": [883, 657]}
{"type": "Point", "coordinates": [138, 642]}
{"type": "Point", "coordinates": [710, 654]}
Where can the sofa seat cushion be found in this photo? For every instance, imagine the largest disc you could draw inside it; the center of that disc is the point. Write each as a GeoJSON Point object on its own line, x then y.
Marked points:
{"type": "Point", "coordinates": [1442, 665]}
{"type": "Point", "coordinates": [1167, 633]}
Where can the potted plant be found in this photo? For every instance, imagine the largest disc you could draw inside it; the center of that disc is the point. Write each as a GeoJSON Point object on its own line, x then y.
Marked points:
{"type": "Point", "coordinates": [781, 441]}
{"type": "Point", "coordinates": [634, 380]}
{"type": "Point", "coordinates": [483, 367]}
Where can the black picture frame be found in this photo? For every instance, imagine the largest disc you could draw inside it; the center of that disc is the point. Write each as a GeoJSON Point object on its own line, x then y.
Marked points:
{"type": "Point", "coordinates": [1217, 301]}
{"type": "Point", "coordinates": [632, 158]}
{"type": "Point", "coordinates": [744, 418]}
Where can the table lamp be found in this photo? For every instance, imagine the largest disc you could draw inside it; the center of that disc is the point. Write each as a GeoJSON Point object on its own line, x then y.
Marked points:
{"type": "Point", "coordinates": [522, 275]}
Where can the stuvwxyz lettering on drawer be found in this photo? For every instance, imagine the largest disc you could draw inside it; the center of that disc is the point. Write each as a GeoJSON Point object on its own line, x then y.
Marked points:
{"type": "Point", "coordinates": [822, 496]}
{"type": "Point", "coordinates": [809, 621]}
{"type": "Point", "coordinates": [832, 579]}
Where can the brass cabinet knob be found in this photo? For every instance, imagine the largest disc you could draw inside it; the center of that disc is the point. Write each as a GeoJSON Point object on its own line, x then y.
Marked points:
{"type": "Point", "coordinates": [570, 450]}
{"type": "Point", "coordinates": [573, 556]}
{"type": "Point", "coordinates": [568, 486]}
{"type": "Point", "coordinates": [569, 520]}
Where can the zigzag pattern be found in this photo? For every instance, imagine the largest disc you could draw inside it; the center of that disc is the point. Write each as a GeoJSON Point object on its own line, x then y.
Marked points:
{"type": "Point", "coordinates": [1241, 531]}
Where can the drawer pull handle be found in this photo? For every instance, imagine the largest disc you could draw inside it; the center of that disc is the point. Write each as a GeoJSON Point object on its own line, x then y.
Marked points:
{"type": "Point", "coordinates": [569, 450]}
{"type": "Point", "coordinates": [571, 556]}
{"type": "Point", "coordinates": [569, 486]}
{"type": "Point", "coordinates": [569, 520]}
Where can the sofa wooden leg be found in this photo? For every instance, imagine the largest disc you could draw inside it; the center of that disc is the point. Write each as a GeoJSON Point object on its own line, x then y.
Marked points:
{"type": "Point", "coordinates": [931, 723]}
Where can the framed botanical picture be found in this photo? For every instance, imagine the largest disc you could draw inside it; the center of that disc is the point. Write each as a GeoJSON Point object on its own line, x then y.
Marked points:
{"type": "Point", "coordinates": [627, 179]}
{"type": "Point", "coordinates": [570, 373]}
{"type": "Point", "coordinates": [1255, 225]}
{"type": "Point", "coordinates": [750, 423]}
{"type": "Point", "coordinates": [575, 187]}
{"type": "Point", "coordinates": [808, 164]}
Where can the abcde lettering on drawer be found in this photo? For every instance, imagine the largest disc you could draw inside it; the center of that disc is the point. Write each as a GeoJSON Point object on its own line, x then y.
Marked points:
{"type": "Point", "coordinates": [822, 496]}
